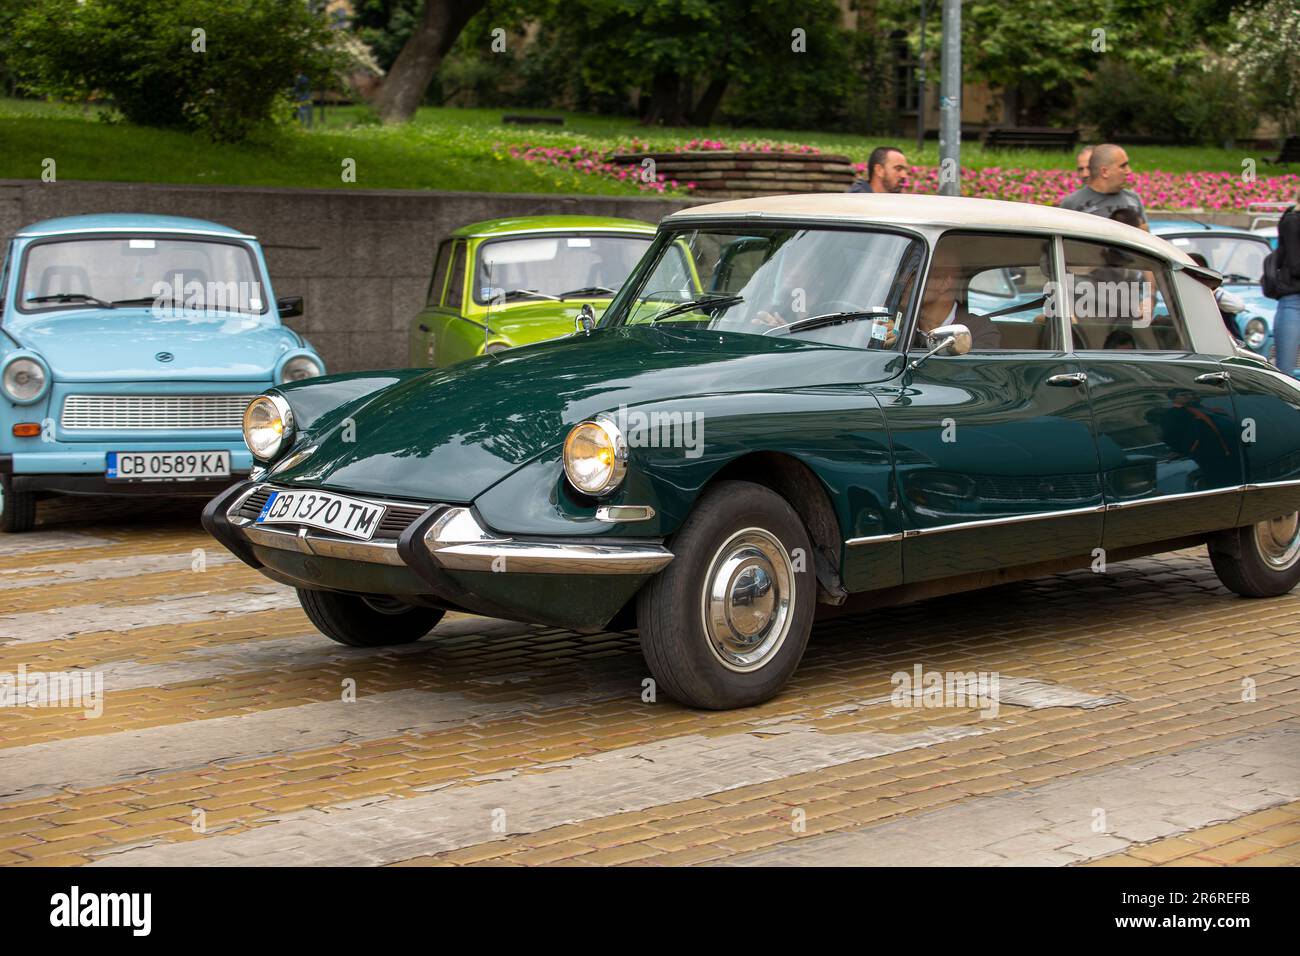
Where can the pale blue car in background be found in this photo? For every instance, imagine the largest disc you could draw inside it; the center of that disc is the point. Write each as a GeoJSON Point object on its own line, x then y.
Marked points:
{"type": "Point", "coordinates": [130, 346]}
{"type": "Point", "coordinates": [1239, 255]}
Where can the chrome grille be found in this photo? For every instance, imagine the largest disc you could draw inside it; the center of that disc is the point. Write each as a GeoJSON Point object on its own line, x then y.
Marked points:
{"type": "Point", "coordinates": [154, 411]}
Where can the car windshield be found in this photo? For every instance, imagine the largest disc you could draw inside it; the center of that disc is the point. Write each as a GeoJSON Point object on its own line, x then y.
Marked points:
{"type": "Point", "coordinates": [164, 273]}
{"type": "Point", "coordinates": [1240, 260]}
{"type": "Point", "coordinates": [556, 267]}
{"type": "Point", "coordinates": [844, 287]}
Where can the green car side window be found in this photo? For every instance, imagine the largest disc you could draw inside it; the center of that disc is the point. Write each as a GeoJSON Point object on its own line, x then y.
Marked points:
{"type": "Point", "coordinates": [439, 282]}
{"type": "Point", "coordinates": [456, 289]}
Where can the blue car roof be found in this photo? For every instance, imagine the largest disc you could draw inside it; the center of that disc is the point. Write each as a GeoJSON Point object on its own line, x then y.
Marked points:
{"type": "Point", "coordinates": [127, 222]}
{"type": "Point", "coordinates": [1162, 227]}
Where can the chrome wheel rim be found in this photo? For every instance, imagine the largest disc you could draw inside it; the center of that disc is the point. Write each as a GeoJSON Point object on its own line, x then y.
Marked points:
{"type": "Point", "coordinates": [748, 599]}
{"type": "Point", "coordinates": [1279, 541]}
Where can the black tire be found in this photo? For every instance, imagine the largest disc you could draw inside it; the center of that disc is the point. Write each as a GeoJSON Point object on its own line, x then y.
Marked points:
{"type": "Point", "coordinates": [1259, 560]}
{"type": "Point", "coordinates": [732, 518]}
{"type": "Point", "coordinates": [356, 622]}
{"type": "Point", "coordinates": [17, 508]}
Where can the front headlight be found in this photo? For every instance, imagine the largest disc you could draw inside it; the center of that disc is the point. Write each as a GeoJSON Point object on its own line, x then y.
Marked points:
{"type": "Point", "coordinates": [23, 380]}
{"type": "Point", "coordinates": [595, 457]}
{"type": "Point", "coordinates": [1255, 333]}
{"type": "Point", "coordinates": [300, 367]}
{"type": "Point", "coordinates": [268, 426]}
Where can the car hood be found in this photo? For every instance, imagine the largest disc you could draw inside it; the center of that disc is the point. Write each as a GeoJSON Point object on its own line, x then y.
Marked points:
{"type": "Point", "coordinates": [450, 434]}
{"type": "Point", "coordinates": [123, 345]}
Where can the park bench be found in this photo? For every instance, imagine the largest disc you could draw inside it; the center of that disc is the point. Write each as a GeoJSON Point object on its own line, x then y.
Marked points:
{"type": "Point", "coordinates": [522, 120]}
{"type": "Point", "coordinates": [1030, 137]}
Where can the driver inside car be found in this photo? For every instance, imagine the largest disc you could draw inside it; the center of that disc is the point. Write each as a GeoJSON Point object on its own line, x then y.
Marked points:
{"type": "Point", "coordinates": [941, 304]}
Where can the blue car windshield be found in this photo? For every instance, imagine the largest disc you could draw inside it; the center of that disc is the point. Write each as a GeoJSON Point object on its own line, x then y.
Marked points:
{"type": "Point", "coordinates": [1240, 260]}
{"type": "Point", "coordinates": [850, 287]}
{"type": "Point", "coordinates": [169, 274]}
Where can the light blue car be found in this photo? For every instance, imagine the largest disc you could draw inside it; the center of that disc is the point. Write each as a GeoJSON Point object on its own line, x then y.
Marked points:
{"type": "Point", "coordinates": [1239, 255]}
{"type": "Point", "coordinates": [130, 346]}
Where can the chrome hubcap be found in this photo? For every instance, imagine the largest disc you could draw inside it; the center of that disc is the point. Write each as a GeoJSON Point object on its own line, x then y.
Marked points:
{"type": "Point", "coordinates": [748, 599]}
{"type": "Point", "coordinates": [1279, 540]}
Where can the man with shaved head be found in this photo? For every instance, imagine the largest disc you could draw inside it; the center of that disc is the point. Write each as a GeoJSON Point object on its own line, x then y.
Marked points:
{"type": "Point", "coordinates": [1108, 175]}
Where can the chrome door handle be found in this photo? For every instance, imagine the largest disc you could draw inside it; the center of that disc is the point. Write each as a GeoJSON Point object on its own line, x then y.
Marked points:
{"type": "Point", "coordinates": [1068, 379]}
{"type": "Point", "coordinates": [1213, 378]}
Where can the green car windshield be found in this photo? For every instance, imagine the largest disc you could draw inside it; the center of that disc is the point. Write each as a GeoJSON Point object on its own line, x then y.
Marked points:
{"type": "Point", "coordinates": [590, 266]}
{"type": "Point", "coordinates": [840, 286]}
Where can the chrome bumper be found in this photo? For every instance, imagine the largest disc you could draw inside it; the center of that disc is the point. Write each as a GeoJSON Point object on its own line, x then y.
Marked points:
{"type": "Point", "coordinates": [456, 541]}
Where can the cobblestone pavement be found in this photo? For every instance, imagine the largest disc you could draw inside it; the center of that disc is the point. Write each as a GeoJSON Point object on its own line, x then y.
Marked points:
{"type": "Point", "coordinates": [1144, 717]}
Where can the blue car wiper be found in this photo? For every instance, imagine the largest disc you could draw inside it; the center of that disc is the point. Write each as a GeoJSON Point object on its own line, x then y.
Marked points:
{"type": "Point", "coordinates": [71, 297]}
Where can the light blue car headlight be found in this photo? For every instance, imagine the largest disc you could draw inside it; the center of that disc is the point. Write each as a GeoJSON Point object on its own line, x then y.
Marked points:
{"type": "Point", "coordinates": [296, 366]}
{"type": "Point", "coordinates": [24, 378]}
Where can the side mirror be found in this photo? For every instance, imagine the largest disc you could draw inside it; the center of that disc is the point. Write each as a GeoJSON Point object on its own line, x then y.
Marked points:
{"type": "Point", "coordinates": [947, 339]}
{"type": "Point", "coordinates": [586, 320]}
{"type": "Point", "coordinates": [289, 306]}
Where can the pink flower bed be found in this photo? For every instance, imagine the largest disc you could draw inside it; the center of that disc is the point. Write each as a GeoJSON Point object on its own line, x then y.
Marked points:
{"type": "Point", "coordinates": [592, 162]}
{"type": "Point", "coordinates": [1224, 191]}
{"type": "Point", "coordinates": [1159, 190]}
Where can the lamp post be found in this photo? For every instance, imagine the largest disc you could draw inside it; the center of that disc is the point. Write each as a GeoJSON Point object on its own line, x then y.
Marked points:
{"type": "Point", "coordinates": [950, 102]}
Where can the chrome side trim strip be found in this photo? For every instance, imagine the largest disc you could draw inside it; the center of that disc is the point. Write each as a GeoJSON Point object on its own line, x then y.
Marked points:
{"type": "Point", "coordinates": [1181, 496]}
{"type": "Point", "coordinates": [1094, 509]}
{"type": "Point", "coordinates": [874, 539]}
{"type": "Point", "coordinates": [458, 542]}
{"type": "Point", "coordinates": [1009, 519]}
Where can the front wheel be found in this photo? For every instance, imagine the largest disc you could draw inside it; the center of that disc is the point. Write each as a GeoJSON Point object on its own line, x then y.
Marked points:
{"type": "Point", "coordinates": [367, 622]}
{"type": "Point", "coordinates": [1259, 560]}
{"type": "Point", "coordinates": [725, 624]}
{"type": "Point", "coordinates": [17, 508]}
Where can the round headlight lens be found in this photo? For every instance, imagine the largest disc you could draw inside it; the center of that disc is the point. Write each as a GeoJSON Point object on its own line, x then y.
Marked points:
{"type": "Point", "coordinates": [1256, 332]}
{"type": "Point", "coordinates": [268, 426]}
{"type": "Point", "coordinates": [300, 367]}
{"type": "Point", "coordinates": [24, 380]}
{"type": "Point", "coordinates": [595, 457]}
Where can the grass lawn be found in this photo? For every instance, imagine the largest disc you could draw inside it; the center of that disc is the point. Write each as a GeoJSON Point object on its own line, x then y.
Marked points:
{"type": "Point", "coordinates": [441, 149]}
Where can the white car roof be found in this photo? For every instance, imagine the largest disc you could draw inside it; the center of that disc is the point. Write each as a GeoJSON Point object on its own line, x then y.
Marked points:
{"type": "Point", "coordinates": [930, 212]}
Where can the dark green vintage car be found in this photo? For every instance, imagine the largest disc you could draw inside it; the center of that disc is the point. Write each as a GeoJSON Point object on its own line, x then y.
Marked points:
{"type": "Point", "coordinates": [824, 414]}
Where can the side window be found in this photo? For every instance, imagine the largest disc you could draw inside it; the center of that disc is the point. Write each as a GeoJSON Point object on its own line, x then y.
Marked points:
{"type": "Point", "coordinates": [1120, 299]}
{"type": "Point", "coordinates": [439, 274]}
{"type": "Point", "coordinates": [995, 284]}
{"type": "Point", "coordinates": [456, 290]}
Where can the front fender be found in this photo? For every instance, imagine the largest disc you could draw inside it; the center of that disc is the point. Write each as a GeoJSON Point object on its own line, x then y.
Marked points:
{"type": "Point", "coordinates": [320, 403]}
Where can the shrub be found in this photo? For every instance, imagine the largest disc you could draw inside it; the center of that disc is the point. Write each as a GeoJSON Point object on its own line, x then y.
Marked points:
{"type": "Point", "coordinates": [219, 66]}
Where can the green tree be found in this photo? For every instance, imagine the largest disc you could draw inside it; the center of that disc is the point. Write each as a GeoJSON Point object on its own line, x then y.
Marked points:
{"type": "Point", "coordinates": [218, 66]}
{"type": "Point", "coordinates": [1266, 55]}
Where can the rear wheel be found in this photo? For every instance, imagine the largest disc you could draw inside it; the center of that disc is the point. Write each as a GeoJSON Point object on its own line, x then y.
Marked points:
{"type": "Point", "coordinates": [1259, 560]}
{"type": "Point", "coordinates": [725, 624]}
{"type": "Point", "coordinates": [17, 508]}
{"type": "Point", "coordinates": [367, 622]}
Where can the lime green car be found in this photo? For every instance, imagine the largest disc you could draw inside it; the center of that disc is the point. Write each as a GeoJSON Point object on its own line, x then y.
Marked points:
{"type": "Point", "coordinates": [506, 282]}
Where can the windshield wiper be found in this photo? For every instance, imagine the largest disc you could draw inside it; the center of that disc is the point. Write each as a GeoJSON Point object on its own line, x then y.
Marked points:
{"type": "Point", "coordinates": [142, 300]}
{"type": "Point", "coordinates": [1237, 277]}
{"type": "Point", "coordinates": [586, 290]}
{"type": "Point", "coordinates": [828, 318]}
{"type": "Point", "coordinates": [708, 301]}
{"type": "Point", "coordinates": [532, 293]}
{"type": "Point", "coordinates": [71, 297]}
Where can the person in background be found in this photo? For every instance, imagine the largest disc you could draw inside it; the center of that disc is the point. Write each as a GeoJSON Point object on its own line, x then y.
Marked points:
{"type": "Point", "coordinates": [886, 172]}
{"type": "Point", "coordinates": [1286, 321]}
{"type": "Point", "coordinates": [1104, 192]}
{"type": "Point", "coordinates": [1081, 163]}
